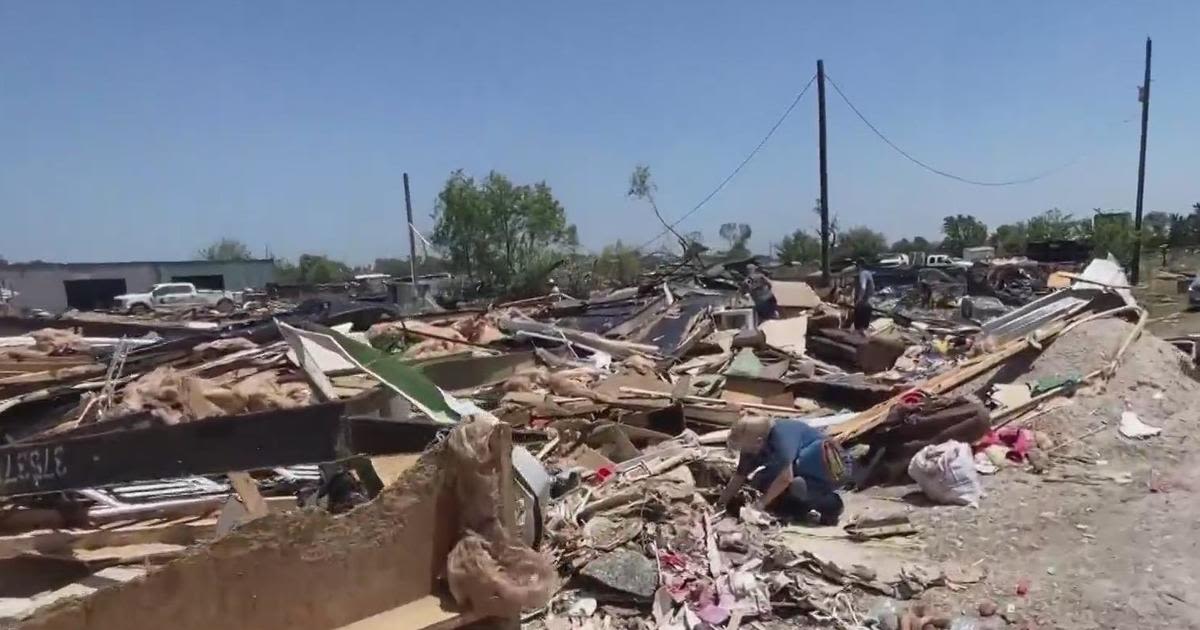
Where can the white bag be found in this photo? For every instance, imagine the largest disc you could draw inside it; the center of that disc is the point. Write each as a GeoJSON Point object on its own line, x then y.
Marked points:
{"type": "Point", "coordinates": [946, 473]}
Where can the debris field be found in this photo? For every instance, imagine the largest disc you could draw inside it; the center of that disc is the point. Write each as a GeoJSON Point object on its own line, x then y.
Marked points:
{"type": "Point", "coordinates": [678, 454]}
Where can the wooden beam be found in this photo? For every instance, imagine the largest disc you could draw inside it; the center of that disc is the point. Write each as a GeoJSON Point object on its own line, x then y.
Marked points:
{"type": "Point", "coordinates": [427, 613]}
{"type": "Point", "coordinates": [183, 532]}
{"type": "Point", "coordinates": [247, 492]}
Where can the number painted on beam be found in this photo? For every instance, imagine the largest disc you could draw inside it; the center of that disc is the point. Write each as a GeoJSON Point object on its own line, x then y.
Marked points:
{"type": "Point", "coordinates": [34, 466]}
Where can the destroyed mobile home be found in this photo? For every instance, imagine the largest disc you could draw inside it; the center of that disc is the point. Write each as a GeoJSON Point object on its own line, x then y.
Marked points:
{"type": "Point", "coordinates": [567, 463]}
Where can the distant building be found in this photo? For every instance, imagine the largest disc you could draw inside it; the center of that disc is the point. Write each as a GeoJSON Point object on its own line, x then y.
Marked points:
{"type": "Point", "coordinates": [57, 287]}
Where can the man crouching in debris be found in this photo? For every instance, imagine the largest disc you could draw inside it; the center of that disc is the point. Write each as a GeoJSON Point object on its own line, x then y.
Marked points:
{"type": "Point", "coordinates": [801, 468]}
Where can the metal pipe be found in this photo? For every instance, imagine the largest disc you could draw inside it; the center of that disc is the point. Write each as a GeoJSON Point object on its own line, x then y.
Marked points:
{"type": "Point", "coordinates": [159, 509]}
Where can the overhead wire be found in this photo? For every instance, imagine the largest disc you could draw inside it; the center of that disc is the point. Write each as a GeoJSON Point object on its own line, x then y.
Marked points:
{"type": "Point", "coordinates": [739, 167]}
{"type": "Point", "coordinates": [937, 171]}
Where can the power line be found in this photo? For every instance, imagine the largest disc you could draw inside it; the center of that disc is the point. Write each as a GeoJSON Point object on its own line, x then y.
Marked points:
{"type": "Point", "coordinates": [938, 171]}
{"type": "Point", "coordinates": [744, 162]}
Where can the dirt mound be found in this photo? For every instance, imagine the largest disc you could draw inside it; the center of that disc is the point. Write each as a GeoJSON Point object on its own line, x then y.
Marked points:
{"type": "Point", "coordinates": [1154, 378]}
{"type": "Point", "coordinates": [1095, 552]}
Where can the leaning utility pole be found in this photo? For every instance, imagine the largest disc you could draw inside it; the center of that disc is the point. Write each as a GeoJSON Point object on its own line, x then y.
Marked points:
{"type": "Point", "coordinates": [1144, 97]}
{"type": "Point", "coordinates": [412, 240]}
{"type": "Point", "coordinates": [824, 174]}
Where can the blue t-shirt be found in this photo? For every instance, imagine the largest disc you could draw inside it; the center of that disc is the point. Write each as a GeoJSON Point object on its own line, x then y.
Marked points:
{"type": "Point", "coordinates": [805, 448]}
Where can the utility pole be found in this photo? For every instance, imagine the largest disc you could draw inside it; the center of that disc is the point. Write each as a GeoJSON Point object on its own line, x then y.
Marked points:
{"type": "Point", "coordinates": [412, 240]}
{"type": "Point", "coordinates": [824, 173]}
{"type": "Point", "coordinates": [1144, 97]}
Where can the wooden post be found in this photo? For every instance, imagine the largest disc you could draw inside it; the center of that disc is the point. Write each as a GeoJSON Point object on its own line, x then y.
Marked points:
{"type": "Point", "coordinates": [412, 239]}
{"type": "Point", "coordinates": [1144, 97]}
{"type": "Point", "coordinates": [824, 172]}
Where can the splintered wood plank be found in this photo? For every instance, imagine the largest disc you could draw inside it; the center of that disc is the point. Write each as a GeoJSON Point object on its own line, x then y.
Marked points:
{"type": "Point", "coordinates": [247, 491]}
{"type": "Point", "coordinates": [57, 540]}
{"type": "Point", "coordinates": [427, 613]}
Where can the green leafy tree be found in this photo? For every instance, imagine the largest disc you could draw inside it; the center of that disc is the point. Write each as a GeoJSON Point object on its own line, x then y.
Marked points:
{"type": "Point", "coordinates": [799, 247]}
{"type": "Point", "coordinates": [915, 244]}
{"type": "Point", "coordinates": [225, 249]}
{"type": "Point", "coordinates": [399, 267]}
{"type": "Point", "coordinates": [737, 235]}
{"type": "Point", "coordinates": [1054, 224]}
{"type": "Point", "coordinates": [618, 265]}
{"type": "Point", "coordinates": [312, 269]}
{"type": "Point", "coordinates": [1113, 233]}
{"type": "Point", "coordinates": [317, 269]}
{"type": "Point", "coordinates": [1009, 239]}
{"type": "Point", "coordinates": [495, 231]}
{"type": "Point", "coordinates": [861, 242]}
{"type": "Point", "coordinates": [286, 271]}
{"type": "Point", "coordinates": [1156, 229]}
{"type": "Point", "coordinates": [961, 231]}
{"type": "Point", "coordinates": [1181, 230]}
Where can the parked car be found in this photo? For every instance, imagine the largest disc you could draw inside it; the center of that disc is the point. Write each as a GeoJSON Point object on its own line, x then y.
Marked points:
{"type": "Point", "coordinates": [1194, 293]}
{"type": "Point", "coordinates": [176, 296]}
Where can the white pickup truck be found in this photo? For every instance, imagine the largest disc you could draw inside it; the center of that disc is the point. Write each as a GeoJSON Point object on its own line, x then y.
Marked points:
{"type": "Point", "coordinates": [944, 260]}
{"type": "Point", "coordinates": [176, 296]}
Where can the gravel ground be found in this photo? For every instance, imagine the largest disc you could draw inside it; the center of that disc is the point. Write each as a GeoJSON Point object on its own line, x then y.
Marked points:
{"type": "Point", "coordinates": [1089, 553]}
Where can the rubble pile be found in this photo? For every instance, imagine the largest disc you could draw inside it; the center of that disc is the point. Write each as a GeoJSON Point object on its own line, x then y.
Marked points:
{"type": "Point", "coordinates": [679, 454]}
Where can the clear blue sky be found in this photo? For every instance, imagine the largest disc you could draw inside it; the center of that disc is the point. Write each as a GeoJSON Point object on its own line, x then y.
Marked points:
{"type": "Point", "coordinates": [132, 130]}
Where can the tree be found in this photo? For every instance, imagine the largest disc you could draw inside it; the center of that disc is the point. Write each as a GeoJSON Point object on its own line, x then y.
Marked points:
{"type": "Point", "coordinates": [1054, 224]}
{"type": "Point", "coordinates": [962, 230]}
{"type": "Point", "coordinates": [312, 269]}
{"type": "Point", "coordinates": [915, 244]}
{"type": "Point", "coordinates": [1009, 239]}
{"type": "Point", "coordinates": [736, 234]}
{"type": "Point", "coordinates": [833, 224]}
{"type": "Point", "coordinates": [1156, 229]}
{"type": "Point", "coordinates": [399, 267]}
{"type": "Point", "coordinates": [317, 269]}
{"type": "Point", "coordinates": [642, 186]}
{"type": "Point", "coordinates": [799, 247]}
{"type": "Point", "coordinates": [618, 265]}
{"type": "Point", "coordinates": [1113, 233]}
{"type": "Point", "coordinates": [1181, 230]}
{"type": "Point", "coordinates": [286, 271]}
{"type": "Point", "coordinates": [225, 249]}
{"type": "Point", "coordinates": [861, 242]}
{"type": "Point", "coordinates": [495, 231]}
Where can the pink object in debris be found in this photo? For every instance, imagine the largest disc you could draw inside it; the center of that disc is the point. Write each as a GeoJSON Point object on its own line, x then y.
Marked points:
{"type": "Point", "coordinates": [712, 614]}
{"type": "Point", "coordinates": [1019, 442]}
{"type": "Point", "coordinates": [604, 473]}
